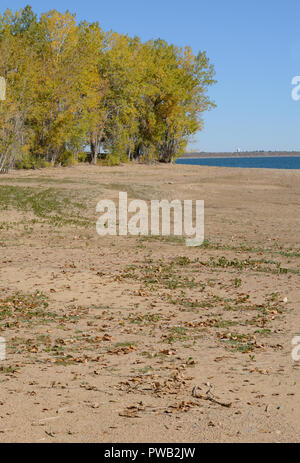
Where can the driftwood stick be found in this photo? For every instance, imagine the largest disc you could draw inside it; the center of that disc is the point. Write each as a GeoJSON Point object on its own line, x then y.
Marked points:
{"type": "Point", "coordinates": [209, 397]}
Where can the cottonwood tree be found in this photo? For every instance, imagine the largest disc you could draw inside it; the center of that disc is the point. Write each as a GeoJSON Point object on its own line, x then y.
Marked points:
{"type": "Point", "coordinates": [71, 85]}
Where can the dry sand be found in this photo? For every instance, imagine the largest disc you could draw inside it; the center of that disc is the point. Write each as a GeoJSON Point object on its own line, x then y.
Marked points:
{"type": "Point", "coordinates": [134, 339]}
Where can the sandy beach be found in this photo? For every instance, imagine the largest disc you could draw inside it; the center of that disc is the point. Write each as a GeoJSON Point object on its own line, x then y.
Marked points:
{"type": "Point", "coordinates": [142, 339]}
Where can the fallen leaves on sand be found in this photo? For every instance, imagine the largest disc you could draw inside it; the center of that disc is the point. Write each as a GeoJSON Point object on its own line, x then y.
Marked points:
{"type": "Point", "coordinates": [122, 350]}
{"type": "Point", "coordinates": [133, 411]}
{"type": "Point", "coordinates": [183, 406]}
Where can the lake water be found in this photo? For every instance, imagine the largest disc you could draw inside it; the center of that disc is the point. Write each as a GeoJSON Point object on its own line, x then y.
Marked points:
{"type": "Point", "coordinates": [272, 162]}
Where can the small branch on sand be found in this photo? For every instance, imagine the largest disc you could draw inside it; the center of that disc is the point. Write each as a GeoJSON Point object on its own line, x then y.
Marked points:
{"type": "Point", "coordinates": [210, 397]}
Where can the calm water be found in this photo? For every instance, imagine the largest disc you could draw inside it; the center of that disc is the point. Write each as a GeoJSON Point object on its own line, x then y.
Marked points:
{"type": "Point", "coordinates": [274, 162]}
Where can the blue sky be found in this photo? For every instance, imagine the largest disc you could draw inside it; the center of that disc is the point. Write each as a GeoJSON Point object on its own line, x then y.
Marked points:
{"type": "Point", "coordinates": [254, 45]}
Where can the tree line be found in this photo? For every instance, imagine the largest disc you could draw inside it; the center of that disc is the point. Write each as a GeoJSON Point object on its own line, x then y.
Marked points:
{"type": "Point", "coordinates": [69, 86]}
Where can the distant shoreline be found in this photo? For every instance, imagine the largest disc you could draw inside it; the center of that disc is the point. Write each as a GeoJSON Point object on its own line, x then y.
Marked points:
{"type": "Point", "coordinates": [250, 154]}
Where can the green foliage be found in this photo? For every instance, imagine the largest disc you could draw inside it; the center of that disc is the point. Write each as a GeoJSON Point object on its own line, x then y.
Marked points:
{"type": "Point", "coordinates": [55, 206]}
{"type": "Point", "coordinates": [72, 85]}
{"type": "Point", "coordinates": [66, 159]}
{"type": "Point", "coordinates": [28, 161]}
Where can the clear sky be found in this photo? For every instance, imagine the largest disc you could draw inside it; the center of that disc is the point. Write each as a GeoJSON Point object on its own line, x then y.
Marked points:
{"type": "Point", "coordinates": [254, 45]}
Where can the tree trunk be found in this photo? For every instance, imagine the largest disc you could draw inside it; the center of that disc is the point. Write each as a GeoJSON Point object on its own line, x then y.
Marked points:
{"type": "Point", "coordinates": [93, 144]}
